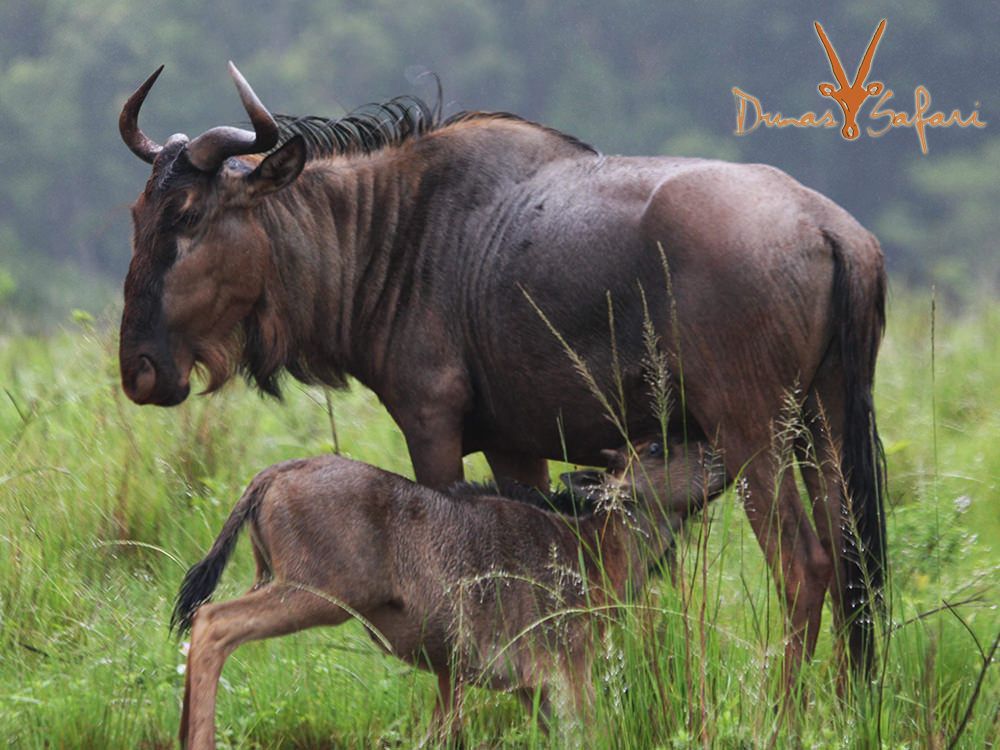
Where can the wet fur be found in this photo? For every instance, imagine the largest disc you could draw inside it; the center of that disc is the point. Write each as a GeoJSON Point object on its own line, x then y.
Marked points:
{"type": "Point", "coordinates": [467, 584]}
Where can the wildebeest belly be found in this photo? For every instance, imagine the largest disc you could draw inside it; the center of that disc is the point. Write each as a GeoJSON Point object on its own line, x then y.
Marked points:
{"type": "Point", "coordinates": [601, 291]}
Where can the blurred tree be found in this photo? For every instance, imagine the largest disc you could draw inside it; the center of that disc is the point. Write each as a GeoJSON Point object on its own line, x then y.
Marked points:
{"type": "Point", "coordinates": [628, 76]}
{"type": "Point", "coordinates": [951, 226]}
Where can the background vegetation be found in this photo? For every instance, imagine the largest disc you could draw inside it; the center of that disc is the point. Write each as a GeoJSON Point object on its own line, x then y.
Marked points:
{"type": "Point", "coordinates": [104, 504]}
{"type": "Point", "coordinates": [628, 76]}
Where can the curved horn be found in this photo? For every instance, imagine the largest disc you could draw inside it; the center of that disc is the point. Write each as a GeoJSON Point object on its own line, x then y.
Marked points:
{"type": "Point", "coordinates": [128, 122]}
{"type": "Point", "coordinates": [211, 148]}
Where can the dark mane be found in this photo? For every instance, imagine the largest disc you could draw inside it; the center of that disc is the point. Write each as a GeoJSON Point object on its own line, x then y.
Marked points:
{"type": "Point", "coordinates": [367, 129]}
{"type": "Point", "coordinates": [376, 126]}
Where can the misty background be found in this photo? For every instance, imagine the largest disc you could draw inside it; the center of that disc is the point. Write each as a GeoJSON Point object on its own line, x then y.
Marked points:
{"type": "Point", "coordinates": [628, 77]}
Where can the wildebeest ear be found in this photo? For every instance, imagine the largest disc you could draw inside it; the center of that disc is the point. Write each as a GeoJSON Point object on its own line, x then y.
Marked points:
{"type": "Point", "coordinates": [279, 169]}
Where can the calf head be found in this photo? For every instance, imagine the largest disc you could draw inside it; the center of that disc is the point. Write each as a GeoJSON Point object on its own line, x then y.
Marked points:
{"type": "Point", "coordinates": [677, 482]}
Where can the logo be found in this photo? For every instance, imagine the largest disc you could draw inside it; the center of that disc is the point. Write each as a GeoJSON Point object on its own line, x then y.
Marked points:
{"type": "Point", "coordinates": [851, 96]}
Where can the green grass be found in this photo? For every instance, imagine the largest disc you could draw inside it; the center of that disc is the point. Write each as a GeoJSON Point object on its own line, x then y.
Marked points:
{"type": "Point", "coordinates": [103, 505]}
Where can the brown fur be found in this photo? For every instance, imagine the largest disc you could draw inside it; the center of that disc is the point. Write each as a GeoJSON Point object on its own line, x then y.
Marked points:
{"type": "Point", "coordinates": [482, 590]}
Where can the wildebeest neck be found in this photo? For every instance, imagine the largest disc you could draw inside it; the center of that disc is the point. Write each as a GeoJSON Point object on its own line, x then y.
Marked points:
{"type": "Point", "coordinates": [339, 267]}
{"type": "Point", "coordinates": [365, 245]}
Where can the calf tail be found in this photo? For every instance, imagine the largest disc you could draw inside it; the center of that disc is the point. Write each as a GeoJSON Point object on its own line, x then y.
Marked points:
{"type": "Point", "coordinates": [859, 314]}
{"type": "Point", "coordinates": [202, 578]}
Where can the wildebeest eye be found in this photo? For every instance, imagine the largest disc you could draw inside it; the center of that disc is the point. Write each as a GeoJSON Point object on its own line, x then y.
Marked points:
{"type": "Point", "coordinates": [186, 219]}
{"type": "Point", "coordinates": [655, 449]}
{"type": "Point", "coordinates": [179, 220]}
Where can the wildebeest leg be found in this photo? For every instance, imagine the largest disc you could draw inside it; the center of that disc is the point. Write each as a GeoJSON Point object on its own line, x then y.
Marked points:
{"type": "Point", "coordinates": [800, 566]}
{"type": "Point", "coordinates": [821, 472]}
{"type": "Point", "coordinates": [824, 487]}
{"type": "Point", "coordinates": [524, 469]}
{"type": "Point", "coordinates": [797, 560]}
{"type": "Point", "coordinates": [435, 445]}
{"type": "Point", "coordinates": [577, 673]}
{"type": "Point", "coordinates": [219, 629]}
{"type": "Point", "coordinates": [430, 411]}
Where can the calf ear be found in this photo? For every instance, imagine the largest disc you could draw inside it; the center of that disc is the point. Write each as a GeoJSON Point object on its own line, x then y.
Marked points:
{"type": "Point", "coordinates": [616, 460]}
{"type": "Point", "coordinates": [279, 169]}
{"type": "Point", "coordinates": [583, 483]}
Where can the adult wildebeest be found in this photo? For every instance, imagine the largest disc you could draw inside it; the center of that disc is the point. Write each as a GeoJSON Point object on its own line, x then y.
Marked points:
{"type": "Point", "coordinates": [411, 253]}
{"type": "Point", "coordinates": [476, 587]}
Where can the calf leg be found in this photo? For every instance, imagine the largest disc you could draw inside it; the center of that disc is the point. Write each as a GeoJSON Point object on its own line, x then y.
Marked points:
{"type": "Point", "coordinates": [218, 629]}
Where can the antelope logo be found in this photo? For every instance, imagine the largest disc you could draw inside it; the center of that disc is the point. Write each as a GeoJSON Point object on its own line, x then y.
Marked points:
{"type": "Point", "coordinates": [851, 96]}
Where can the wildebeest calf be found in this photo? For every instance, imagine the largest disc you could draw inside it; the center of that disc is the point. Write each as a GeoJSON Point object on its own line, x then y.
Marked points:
{"type": "Point", "coordinates": [479, 589]}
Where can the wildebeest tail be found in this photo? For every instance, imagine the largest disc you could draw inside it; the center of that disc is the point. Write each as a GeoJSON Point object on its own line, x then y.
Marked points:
{"type": "Point", "coordinates": [202, 578]}
{"type": "Point", "coordinates": [859, 312]}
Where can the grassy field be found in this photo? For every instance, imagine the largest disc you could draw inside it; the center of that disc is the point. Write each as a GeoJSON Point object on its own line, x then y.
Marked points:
{"type": "Point", "coordinates": [103, 505]}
